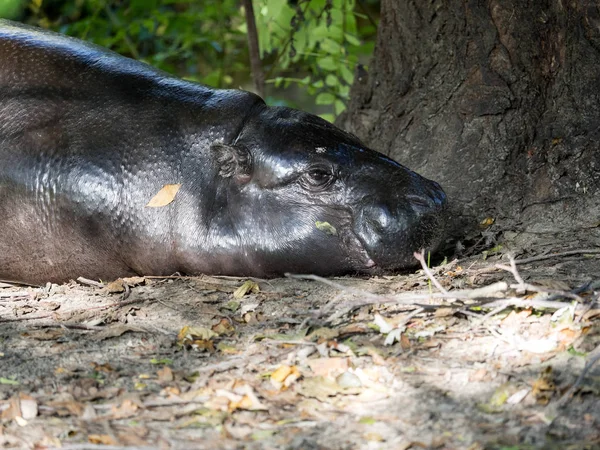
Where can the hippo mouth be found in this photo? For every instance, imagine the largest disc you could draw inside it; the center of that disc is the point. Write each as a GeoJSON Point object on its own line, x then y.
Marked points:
{"type": "Point", "coordinates": [357, 252]}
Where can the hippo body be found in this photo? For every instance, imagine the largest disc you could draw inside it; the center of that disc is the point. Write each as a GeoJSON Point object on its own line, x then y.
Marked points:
{"type": "Point", "coordinates": [88, 137]}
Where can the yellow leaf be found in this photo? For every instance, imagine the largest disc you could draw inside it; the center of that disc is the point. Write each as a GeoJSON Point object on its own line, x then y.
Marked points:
{"type": "Point", "coordinates": [326, 228]}
{"type": "Point", "coordinates": [102, 439]}
{"type": "Point", "coordinates": [488, 221]}
{"type": "Point", "coordinates": [196, 336]}
{"type": "Point", "coordinates": [281, 373]}
{"type": "Point", "coordinates": [247, 287]}
{"type": "Point", "coordinates": [165, 196]}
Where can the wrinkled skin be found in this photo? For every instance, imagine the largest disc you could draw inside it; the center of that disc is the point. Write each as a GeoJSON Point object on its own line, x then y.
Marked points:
{"type": "Point", "coordinates": [88, 137]}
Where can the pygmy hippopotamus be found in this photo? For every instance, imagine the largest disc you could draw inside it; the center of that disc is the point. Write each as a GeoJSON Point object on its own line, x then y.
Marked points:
{"type": "Point", "coordinates": [89, 137]}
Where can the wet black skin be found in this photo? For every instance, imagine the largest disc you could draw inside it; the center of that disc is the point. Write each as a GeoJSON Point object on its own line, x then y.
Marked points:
{"type": "Point", "coordinates": [88, 137]}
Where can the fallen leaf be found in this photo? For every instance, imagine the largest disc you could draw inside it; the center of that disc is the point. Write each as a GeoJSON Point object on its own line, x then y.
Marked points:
{"type": "Point", "coordinates": [227, 349]}
{"type": "Point", "coordinates": [249, 286]}
{"type": "Point", "coordinates": [323, 333]}
{"type": "Point", "coordinates": [479, 375]}
{"type": "Point", "coordinates": [45, 335]}
{"type": "Point", "coordinates": [498, 398]}
{"type": "Point", "coordinates": [328, 366]}
{"type": "Point", "coordinates": [444, 312]}
{"type": "Point", "coordinates": [326, 228]}
{"type": "Point", "coordinates": [165, 375]}
{"type": "Point", "coordinates": [487, 222]}
{"type": "Point", "coordinates": [348, 380]}
{"type": "Point", "coordinates": [382, 324]}
{"type": "Point", "coordinates": [187, 335]}
{"type": "Point", "coordinates": [116, 287]}
{"type": "Point", "coordinates": [106, 367]}
{"type": "Point", "coordinates": [544, 387]}
{"type": "Point", "coordinates": [224, 327]}
{"type": "Point", "coordinates": [102, 439]}
{"type": "Point", "coordinates": [284, 376]}
{"type": "Point", "coordinates": [127, 409]}
{"type": "Point", "coordinates": [68, 408]}
{"type": "Point", "coordinates": [20, 406]}
{"type": "Point", "coordinates": [405, 342]}
{"type": "Point", "coordinates": [165, 196]}
{"type": "Point", "coordinates": [135, 281]}
{"type": "Point", "coordinates": [161, 361]}
{"type": "Point", "coordinates": [280, 374]}
{"type": "Point", "coordinates": [517, 397]}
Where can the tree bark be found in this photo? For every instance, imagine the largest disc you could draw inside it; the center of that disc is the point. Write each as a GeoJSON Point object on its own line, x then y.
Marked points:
{"type": "Point", "coordinates": [254, 51]}
{"type": "Point", "coordinates": [497, 100]}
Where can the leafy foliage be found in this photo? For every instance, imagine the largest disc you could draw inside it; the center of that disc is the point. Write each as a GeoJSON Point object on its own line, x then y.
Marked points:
{"type": "Point", "coordinates": [311, 45]}
{"type": "Point", "coordinates": [319, 36]}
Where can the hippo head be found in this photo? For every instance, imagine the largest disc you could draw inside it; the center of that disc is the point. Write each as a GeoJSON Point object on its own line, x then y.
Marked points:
{"type": "Point", "coordinates": [303, 196]}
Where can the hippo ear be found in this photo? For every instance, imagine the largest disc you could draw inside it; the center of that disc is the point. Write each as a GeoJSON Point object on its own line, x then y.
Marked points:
{"type": "Point", "coordinates": [234, 161]}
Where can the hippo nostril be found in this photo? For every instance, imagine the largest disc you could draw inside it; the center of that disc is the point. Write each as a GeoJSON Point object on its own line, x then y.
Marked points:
{"type": "Point", "coordinates": [419, 201]}
{"type": "Point", "coordinates": [422, 203]}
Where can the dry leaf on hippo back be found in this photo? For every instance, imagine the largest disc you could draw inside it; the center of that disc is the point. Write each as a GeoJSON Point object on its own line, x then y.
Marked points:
{"type": "Point", "coordinates": [165, 196]}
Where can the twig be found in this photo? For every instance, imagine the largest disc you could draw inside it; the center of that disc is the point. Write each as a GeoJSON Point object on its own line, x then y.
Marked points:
{"type": "Point", "coordinates": [492, 313]}
{"type": "Point", "coordinates": [523, 287]}
{"type": "Point", "coordinates": [85, 446]}
{"type": "Point", "coordinates": [257, 72]}
{"type": "Point", "coordinates": [567, 395]}
{"type": "Point", "coordinates": [556, 292]}
{"type": "Point", "coordinates": [15, 294]}
{"type": "Point", "coordinates": [411, 299]}
{"type": "Point", "coordinates": [9, 283]}
{"type": "Point", "coordinates": [333, 284]}
{"type": "Point", "coordinates": [590, 251]}
{"type": "Point", "coordinates": [421, 258]}
{"type": "Point", "coordinates": [512, 269]}
{"type": "Point", "coordinates": [521, 303]}
{"type": "Point", "coordinates": [89, 282]}
{"type": "Point", "coordinates": [231, 363]}
{"type": "Point", "coordinates": [54, 314]}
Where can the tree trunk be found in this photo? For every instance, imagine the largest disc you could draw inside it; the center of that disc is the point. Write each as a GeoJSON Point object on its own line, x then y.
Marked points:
{"type": "Point", "coordinates": [497, 100]}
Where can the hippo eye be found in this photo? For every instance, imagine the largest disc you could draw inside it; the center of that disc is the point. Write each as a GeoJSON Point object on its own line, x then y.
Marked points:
{"type": "Point", "coordinates": [318, 177]}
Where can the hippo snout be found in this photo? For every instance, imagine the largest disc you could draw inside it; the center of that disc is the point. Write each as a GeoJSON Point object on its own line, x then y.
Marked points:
{"type": "Point", "coordinates": [431, 200]}
{"type": "Point", "coordinates": [393, 229]}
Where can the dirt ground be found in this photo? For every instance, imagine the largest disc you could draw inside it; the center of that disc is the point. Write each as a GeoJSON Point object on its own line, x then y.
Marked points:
{"type": "Point", "coordinates": [493, 358]}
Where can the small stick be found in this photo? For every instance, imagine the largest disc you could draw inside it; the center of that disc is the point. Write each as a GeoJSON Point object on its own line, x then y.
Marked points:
{"type": "Point", "coordinates": [590, 251]}
{"type": "Point", "coordinates": [513, 269]}
{"type": "Point", "coordinates": [421, 258]}
{"type": "Point", "coordinates": [410, 299]}
{"type": "Point", "coordinates": [567, 395]}
{"type": "Point", "coordinates": [15, 294]}
{"type": "Point", "coordinates": [89, 282]}
{"type": "Point", "coordinates": [534, 288]}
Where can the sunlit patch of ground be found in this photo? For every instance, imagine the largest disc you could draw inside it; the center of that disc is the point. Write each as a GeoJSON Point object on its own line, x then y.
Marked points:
{"type": "Point", "coordinates": [490, 358]}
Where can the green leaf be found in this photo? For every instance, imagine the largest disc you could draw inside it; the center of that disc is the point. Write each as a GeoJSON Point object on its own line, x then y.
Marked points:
{"type": "Point", "coordinates": [347, 74]}
{"type": "Point", "coordinates": [325, 98]}
{"type": "Point", "coordinates": [331, 80]}
{"type": "Point", "coordinates": [352, 40]}
{"type": "Point", "coordinates": [274, 8]}
{"type": "Point", "coordinates": [331, 46]}
{"type": "Point", "coordinates": [327, 63]}
{"type": "Point", "coordinates": [161, 361]}
{"type": "Point", "coordinates": [8, 381]}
